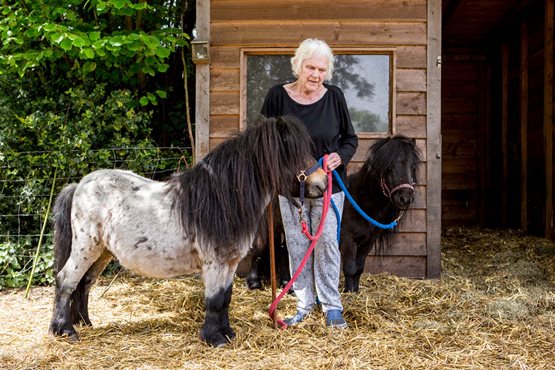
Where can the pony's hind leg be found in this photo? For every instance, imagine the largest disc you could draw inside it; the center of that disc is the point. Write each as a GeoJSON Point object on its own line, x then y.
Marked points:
{"type": "Point", "coordinates": [80, 297]}
{"type": "Point", "coordinates": [218, 284]}
{"type": "Point", "coordinates": [67, 281]}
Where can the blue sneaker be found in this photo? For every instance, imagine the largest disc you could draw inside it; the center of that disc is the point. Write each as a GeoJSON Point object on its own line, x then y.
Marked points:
{"type": "Point", "coordinates": [334, 319]}
{"type": "Point", "coordinates": [293, 320]}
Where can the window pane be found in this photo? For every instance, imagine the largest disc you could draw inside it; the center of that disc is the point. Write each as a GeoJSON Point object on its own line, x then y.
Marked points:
{"type": "Point", "coordinates": [365, 80]}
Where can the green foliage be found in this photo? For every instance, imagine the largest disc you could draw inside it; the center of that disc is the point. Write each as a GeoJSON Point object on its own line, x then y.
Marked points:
{"type": "Point", "coordinates": [81, 130]}
{"type": "Point", "coordinates": [115, 41]}
{"type": "Point", "coordinates": [77, 80]}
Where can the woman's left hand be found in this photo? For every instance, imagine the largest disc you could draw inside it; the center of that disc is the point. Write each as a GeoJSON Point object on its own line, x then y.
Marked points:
{"type": "Point", "coordinates": [334, 161]}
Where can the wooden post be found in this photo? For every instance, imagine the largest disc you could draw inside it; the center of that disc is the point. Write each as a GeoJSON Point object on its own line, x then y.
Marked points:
{"type": "Point", "coordinates": [548, 117]}
{"type": "Point", "coordinates": [524, 126]}
{"type": "Point", "coordinates": [504, 131]}
{"type": "Point", "coordinates": [202, 96]}
{"type": "Point", "coordinates": [433, 142]}
{"type": "Point", "coordinates": [273, 279]}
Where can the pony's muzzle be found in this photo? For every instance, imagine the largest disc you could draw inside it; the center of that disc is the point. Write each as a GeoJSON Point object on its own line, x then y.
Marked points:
{"type": "Point", "coordinates": [403, 198]}
{"type": "Point", "coordinates": [316, 184]}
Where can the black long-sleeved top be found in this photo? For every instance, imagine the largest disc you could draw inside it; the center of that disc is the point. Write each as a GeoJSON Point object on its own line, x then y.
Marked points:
{"type": "Point", "coordinates": [327, 121]}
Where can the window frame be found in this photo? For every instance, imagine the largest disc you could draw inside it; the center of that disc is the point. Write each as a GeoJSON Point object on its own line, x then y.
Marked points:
{"type": "Point", "coordinates": [391, 52]}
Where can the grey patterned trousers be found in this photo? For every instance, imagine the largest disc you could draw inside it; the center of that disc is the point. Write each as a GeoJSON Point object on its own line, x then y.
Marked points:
{"type": "Point", "coordinates": [320, 276]}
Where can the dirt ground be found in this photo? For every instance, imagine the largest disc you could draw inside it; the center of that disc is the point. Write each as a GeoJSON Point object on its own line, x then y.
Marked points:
{"type": "Point", "coordinates": [493, 308]}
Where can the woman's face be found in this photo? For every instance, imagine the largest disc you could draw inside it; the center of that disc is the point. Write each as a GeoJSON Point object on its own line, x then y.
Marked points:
{"type": "Point", "coordinates": [313, 71]}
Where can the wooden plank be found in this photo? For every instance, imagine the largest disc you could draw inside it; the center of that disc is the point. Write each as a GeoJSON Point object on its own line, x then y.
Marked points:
{"type": "Point", "coordinates": [411, 80]}
{"type": "Point", "coordinates": [224, 79]}
{"type": "Point", "coordinates": [404, 266]}
{"type": "Point", "coordinates": [433, 142]}
{"type": "Point", "coordinates": [459, 88]}
{"type": "Point", "coordinates": [458, 104]}
{"type": "Point", "coordinates": [407, 56]}
{"type": "Point", "coordinates": [224, 102]}
{"type": "Point", "coordinates": [289, 33]}
{"type": "Point", "coordinates": [410, 56]}
{"type": "Point", "coordinates": [458, 120]}
{"type": "Point", "coordinates": [225, 56]}
{"type": "Point", "coordinates": [548, 117]}
{"type": "Point", "coordinates": [411, 103]}
{"type": "Point", "coordinates": [364, 145]}
{"type": "Point", "coordinates": [414, 221]}
{"type": "Point", "coordinates": [523, 126]}
{"type": "Point", "coordinates": [411, 126]}
{"type": "Point", "coordinates": [459, 144]}
{"type": "Point", "coordinates": [202, 89]}
{"type": "Point", "coordinates": [224, 125]}
{"type": "Point", "coordinates": [407, 244]}
{"type": "Point", "coordinates": [460, 181]}
{"type": "Point", "coordinates": [284, 10]}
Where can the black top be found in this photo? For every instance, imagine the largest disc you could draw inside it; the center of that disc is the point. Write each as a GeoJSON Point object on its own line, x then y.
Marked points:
{"type": "Point", "coordinates": [327, 120]}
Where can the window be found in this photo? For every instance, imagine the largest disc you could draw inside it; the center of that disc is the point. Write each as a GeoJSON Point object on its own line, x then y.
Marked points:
{"type": "Point", "coordinates": [364, 76]}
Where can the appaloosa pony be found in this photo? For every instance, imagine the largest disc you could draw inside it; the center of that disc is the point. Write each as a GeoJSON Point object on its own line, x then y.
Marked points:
{"type": "Point", "coordinates": [202, 219]}
{"type": "Point", "coordinates": [384, 190]}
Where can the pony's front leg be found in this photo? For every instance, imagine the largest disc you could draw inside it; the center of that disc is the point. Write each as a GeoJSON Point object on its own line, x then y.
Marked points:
{"type": "Point", "coordinates": [218, 285]}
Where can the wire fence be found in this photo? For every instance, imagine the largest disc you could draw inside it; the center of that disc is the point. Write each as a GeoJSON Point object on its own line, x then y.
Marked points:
{"type": "Point", "coordinates": [27, 185]}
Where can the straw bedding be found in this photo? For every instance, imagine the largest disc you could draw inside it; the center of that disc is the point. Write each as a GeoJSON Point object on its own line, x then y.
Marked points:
{"type": "Point", "coordinates": [494, 307]}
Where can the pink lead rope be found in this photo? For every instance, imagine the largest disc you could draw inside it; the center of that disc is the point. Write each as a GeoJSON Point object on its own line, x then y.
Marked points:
{"type": "Point", "coordinates": [327, 198]}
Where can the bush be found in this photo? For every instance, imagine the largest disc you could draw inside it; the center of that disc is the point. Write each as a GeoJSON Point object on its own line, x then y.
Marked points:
{"type": "Point", "coordinates": [73, 133]}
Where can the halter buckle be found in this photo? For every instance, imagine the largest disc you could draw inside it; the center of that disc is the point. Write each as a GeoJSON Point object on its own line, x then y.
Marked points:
{"type": "Point", "coordinates": [302, 176]}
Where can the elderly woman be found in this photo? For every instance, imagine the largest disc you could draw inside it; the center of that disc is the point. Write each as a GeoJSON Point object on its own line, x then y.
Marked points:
{"type": "Point", "coordinates": [323, 110]}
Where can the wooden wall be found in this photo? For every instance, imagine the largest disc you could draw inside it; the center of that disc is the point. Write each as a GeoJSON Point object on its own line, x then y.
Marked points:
{"type": "Point", "coordinates": [401, 25]}
{"type": "Point", "coordinates": [497, 122]}
{"type": "Point", "coordinates": [462, 76]}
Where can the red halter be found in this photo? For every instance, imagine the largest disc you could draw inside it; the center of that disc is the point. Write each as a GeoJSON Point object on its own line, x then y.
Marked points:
{"type": "Point", "coordinates": [389, 192]}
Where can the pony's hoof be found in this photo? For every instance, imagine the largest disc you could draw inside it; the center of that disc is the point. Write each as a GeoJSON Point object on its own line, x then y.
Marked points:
{"type": "Point", "coordinates": [228, 333]}
{"type": "Point", "coordinates": [253, 284]}
{"type": "Point", "coordinates": [215, 338]}
{"type": "Point", "coordinates": [69, 334]}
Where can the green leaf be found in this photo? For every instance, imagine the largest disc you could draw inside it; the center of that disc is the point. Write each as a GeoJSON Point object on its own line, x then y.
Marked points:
{"type": "Point", "coordinates": [143, 101]}
{"type": "Point", "coordinates": [81, 42]}
{"type": "Point", "coordinates": [162, 68]}
{"type": "Point", "coordinates": [56, 37]}
{"type": "Point", "coordinates": [49, 27]}
{"type": "Point", "coordinates": [161, 93]}
{"type": "Point", "coordinates": [94, 36]}
{"type": "Point", "coordinates": [88, 53]}
{"type": "Point", "coordinates": [66, 44]}
{"type": "Point", "coordinates": [89, 66]}
{"type": "Point", "coordinates": [119, 4]}
{"type": "Point", "coordinates": [148, 70]}
{"type": "Point", "coordinates": [163, 52]}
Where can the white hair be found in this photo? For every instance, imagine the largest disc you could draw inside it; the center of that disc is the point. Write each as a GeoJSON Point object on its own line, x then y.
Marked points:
{"type": "Point", "coordinates": [310, 48]}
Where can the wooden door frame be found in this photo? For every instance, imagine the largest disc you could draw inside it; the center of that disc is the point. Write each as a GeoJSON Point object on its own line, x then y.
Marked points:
{"type": "Point", "coordinates": [433, 142]}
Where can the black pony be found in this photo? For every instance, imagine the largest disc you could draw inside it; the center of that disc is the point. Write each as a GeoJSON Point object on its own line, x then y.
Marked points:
{"type": "Point", "coordinates": [203, 219]}
{"type": "Point", "coordinates": [384, 189]}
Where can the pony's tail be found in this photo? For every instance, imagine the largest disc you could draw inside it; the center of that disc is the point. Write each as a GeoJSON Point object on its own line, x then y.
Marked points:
{"type": "Point", "coordinates": [61, 215]}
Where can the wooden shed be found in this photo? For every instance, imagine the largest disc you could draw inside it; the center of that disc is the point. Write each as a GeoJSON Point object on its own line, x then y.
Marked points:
{"type": "Point", "coordinates": [405, 34]}
{"type": "Point", "coordinates": [497, 114]}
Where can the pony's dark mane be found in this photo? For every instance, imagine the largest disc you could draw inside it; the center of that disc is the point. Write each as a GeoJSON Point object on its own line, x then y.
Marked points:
{"type": "Point", "coordinates": [382, 156]}
{"type": "Point", "coordinates": [223, 196]}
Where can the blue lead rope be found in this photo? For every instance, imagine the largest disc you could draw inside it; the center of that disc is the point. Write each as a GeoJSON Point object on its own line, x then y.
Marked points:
{"type": "Point", "coordinates": [337, 178]}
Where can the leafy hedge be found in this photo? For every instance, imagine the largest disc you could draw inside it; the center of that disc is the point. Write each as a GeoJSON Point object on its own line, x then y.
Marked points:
{"type": "Point", "coordinates": [80, 82]}
{"type": "Point", "coordinates": [83, 129]}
